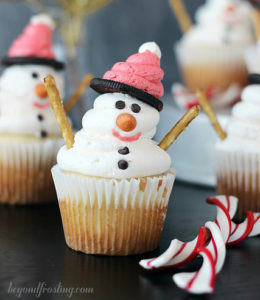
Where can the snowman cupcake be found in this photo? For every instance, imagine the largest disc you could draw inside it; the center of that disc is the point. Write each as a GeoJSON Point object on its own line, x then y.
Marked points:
{"type": "Point", "coordinates": [238, 156]}
{"type": "Point", "coordinates": [114, 184]}
{"type": "Point", "coordinates": [29, 134]}
{"type": "Point", "coordinates": [211, 53]}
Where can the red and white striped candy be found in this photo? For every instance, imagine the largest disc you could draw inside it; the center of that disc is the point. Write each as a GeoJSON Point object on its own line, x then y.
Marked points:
{"type": "Point", "coordinates": [202, 281]}
{"type": "Point", "coordinates": [223, 219]}
{"type": "Point", "coordinates": [223, 231]}
{"type": "Point", "coordinates": [241, 231]}
{"type": "Point", "coordinates": [216, 245]}
{"type": "Point", "coordinates": [178, 254]}
{"type": "Point", "coordinates": [256, 227]}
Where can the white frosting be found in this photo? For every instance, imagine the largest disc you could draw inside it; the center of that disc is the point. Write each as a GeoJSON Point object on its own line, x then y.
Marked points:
{"type": "Point", "coordinates": [244, 128]}
{"type": "Point", "coordinates": [252, 57]}
{"type": "Point", "coordinates": [151, 46]}
{"type": "Point", "coordinates": [95, 151]}
{"type": "Point", "coordinates": [20, 105]}
{"type": "Point", "coordinates": [43, 19]}
{"type": "Point", "coordinates": [221, 22]}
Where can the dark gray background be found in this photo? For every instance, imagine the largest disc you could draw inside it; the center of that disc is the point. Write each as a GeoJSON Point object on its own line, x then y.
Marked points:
{"type": "Point", "coordinates": [113, 33]}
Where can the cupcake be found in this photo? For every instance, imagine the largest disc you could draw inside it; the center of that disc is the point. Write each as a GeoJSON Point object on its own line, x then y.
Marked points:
{"type": "Point", "coordinates": [29, 134]}
{"type": "Point", "coordinates": [114, 184]}
{"type": "Point", "coordinates": [238, 156]}
{"type": "Point", "coordinates": [211, 53]}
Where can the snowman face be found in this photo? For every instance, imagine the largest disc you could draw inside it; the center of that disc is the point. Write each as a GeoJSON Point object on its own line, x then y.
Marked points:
{"type": "Point", "coordinates": [24, 83]}
{"type": "Point", "coordinates": [122, 116]}
{"type": "Point", "coordinates": [227, 11]}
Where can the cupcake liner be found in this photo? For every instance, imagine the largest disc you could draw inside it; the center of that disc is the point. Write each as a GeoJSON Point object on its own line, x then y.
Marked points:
{"type": "Point", "coordinates": [217, 67]}
{"type": "Point", "coordinates": [110, 216]}
{"type": "Point", "coordinates": [25, 164]}
{"type": "Point", "coordinates": [238, 174]}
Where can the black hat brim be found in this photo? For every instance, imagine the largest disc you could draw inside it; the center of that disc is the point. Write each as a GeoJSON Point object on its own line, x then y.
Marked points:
{"type": "Point", "coordinates": [254, 78]}
{"type": "Point", "coordinates": [20, 60]}
{"type": "Point", "coordinates": [109, 86]}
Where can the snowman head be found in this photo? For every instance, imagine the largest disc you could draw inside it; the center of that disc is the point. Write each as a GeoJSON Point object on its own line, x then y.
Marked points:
{"type": "Point", "coordinates": [29, 59]}
{"type": "Point", "coordinates": [129, 107]}
{"type": "Point", "coordinates": [122, 116]}
{"type": "Point", "coordinates": [24, 83]}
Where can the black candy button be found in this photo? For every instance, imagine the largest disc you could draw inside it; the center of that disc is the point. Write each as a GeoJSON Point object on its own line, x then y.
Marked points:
{"type": "Point", "coordinates": [40, 117]}
{"type": "Point", "coordinates": [44, 133]}
{"type": "Point", "coordinates": [123, 151]}
{"type": "Point", "coordinates": [122, 164]}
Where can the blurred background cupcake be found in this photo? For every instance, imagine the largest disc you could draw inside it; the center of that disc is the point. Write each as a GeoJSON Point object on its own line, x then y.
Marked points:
{"type": "Point", "coordinates": [238, 155]}
{"type": "Point", "coordinates": [211, 52]}
{"type": "Point", "coordinates": [29, 134]}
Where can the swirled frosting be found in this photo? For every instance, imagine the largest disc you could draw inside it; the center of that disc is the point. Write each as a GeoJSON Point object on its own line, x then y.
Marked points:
{"type": "Point", "coordinates": [141, 70]}
{"type": "Point", "coordinates": [100, 146]}
{"type": "Point", "coordinates": [221, 22]}
{"type": "Point", "coordinates": [243, 132]}
{"type": "Point", "coordinates": [22, 109]}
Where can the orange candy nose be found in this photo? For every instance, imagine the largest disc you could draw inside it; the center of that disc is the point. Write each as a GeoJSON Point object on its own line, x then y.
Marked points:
{"type": "Point", "coordinates": [126, 122]}
{"type": "Point", "coordinates": [230, 8]}
{"type": "Point", "coordinates": [40, 90]}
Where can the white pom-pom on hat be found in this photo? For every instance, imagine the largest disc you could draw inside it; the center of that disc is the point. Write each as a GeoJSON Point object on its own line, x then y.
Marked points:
{"type": "Point", "coordinates": [151, 46]}
{"type": "Point", "coordinates": [43, 19]}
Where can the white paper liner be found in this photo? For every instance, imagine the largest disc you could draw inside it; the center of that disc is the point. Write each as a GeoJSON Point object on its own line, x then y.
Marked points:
{"type": "Point", "coordinates": [25, 164]}
{"type": "Point", "coordinates": [238, 174]}
{"type": "Point", "coordinates": [110, 216]}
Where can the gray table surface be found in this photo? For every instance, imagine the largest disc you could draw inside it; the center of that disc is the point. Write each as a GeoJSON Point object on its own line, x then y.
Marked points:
{"type": "Point", "coordinates": [33, 250]}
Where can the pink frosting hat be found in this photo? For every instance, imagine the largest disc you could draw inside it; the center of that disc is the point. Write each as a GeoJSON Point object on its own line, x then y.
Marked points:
{"type": "Point", "coordinates": [139, 76]}
{"type": "Point", "coordinates": [34, 45]}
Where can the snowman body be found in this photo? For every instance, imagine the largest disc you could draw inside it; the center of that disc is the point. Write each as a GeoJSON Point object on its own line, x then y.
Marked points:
{"type": "Point", "coordinates": [115, 141]}
{"type": "Point", "coordinates": [24, 104]}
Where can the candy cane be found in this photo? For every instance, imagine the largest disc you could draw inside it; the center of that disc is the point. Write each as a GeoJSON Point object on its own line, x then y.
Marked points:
{"type": "Point", "coordinates": [223, 219]}
{"type": "Point", "coordinates": [213, 260]}
{"type": "Point", "coordinates": [216, 245]}
{"type": "Point", "coordinates": [256, 227]}
{"type": "Point", "coordinates": [178, 254]}
{"type": "Point", "coordinates": [223, 231]}
{"type": "Point", "coordinates": [241, 231]}
{"type": "Point", "coordinates": [202, 281]}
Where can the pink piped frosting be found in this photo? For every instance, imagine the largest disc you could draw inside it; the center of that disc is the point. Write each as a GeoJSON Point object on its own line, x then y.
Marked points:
{"type": "Point", "coordinates": [142, 71]}
{"type": "Point", "coordinates": [36, 40]}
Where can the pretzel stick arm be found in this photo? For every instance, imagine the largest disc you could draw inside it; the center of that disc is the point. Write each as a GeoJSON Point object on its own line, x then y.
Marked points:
{"type": "Point", "coordinates": [59, 111]}
{"type": "Point", "coordinates": [256, 22]}
{"type": "Point", "coordinates": [79, 92]}
{"type": "Point", "coordinates": [181, 14]}
{"type": "Point", "coordinates": [204, 103]}
{"type": "Point", "coordinates": [179, 127]}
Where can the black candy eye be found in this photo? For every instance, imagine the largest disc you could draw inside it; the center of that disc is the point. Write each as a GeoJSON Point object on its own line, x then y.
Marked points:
{"type": "Point", "coordinates": [120, 104]}
{"type": "Point", "coordinates": [135, 108]}
{"type": "Point", "coordinates": [35, 75]}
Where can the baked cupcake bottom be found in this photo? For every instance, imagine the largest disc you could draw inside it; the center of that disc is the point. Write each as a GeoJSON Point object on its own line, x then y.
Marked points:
{"type": "Point", "coordinates": [25, 169]}
{"type": "Point", "coordinates": [238, 174]}
{"type": "Point", "coordinates": [110, 216]}
{"type": "Point", "coordinates": [210, 75]}
{"type": "Point", "coordinates": [212, 67]}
